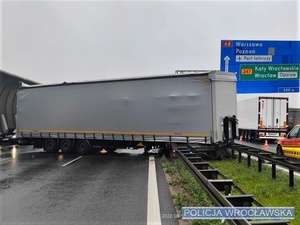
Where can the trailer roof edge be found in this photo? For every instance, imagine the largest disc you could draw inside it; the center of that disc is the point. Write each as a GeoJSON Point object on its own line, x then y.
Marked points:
{"type": "Point", "coordinates": [212, 74]}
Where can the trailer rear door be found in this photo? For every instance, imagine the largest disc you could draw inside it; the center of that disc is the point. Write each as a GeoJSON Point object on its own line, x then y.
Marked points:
{"type": "Point", "coordinates": [273, 113]}
{"type": "Point", "coordinates": [280, 113]}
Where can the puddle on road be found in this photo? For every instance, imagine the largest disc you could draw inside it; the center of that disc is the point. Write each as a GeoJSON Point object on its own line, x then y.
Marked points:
{"type": "Point", "coordinates": [11, 151]}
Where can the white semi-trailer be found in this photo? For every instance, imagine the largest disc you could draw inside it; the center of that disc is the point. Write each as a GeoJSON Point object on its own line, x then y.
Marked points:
{"type": "Point", "coordinates": [263, 117]}
{"type": "Point", "coordinates": [134, 112]}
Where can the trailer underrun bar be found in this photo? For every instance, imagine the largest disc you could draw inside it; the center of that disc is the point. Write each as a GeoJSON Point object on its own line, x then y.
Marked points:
{"type": "Point", "coordinates": [121, 136]}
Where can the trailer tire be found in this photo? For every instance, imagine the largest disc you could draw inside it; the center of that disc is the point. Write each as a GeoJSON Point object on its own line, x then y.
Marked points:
{"type": "Point", "coordinates": [83, 147]}
{"type": "Point", "coordinates": [66, 146]}
{"type": "Point", "coordinates": [50, 146]}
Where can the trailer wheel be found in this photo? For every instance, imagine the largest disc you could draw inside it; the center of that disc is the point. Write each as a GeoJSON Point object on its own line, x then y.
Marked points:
{"type": "Point", "coordinates": [83, 147]}
{"type": "Point", "coordinates": [66, 146]}
{"type": "Point", "coordinates": [279, 150]}
{"type": "Point", "coordinates": [50, 146]}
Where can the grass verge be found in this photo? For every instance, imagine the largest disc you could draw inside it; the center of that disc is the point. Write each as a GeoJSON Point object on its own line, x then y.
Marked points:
{"type": "Point", "coordinates": [191, 193]}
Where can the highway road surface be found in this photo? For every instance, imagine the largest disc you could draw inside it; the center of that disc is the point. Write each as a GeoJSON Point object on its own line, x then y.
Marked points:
{"type": "Point", "coordinates": [126, 187]}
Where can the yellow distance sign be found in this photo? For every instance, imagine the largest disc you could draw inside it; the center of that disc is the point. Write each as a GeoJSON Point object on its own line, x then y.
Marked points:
{"type": "Point", "coordinates": [246, 71]}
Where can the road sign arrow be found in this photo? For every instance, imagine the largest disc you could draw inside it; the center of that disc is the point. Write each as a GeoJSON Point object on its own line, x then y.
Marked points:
{"type": "Point", "coordinates": [226, 59]}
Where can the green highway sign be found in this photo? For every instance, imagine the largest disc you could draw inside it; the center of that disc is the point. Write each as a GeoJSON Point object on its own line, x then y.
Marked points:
{"type": "Point", "coordinates": [269, 72]}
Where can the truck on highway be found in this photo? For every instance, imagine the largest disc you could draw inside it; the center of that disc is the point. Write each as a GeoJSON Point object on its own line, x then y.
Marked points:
{"type": "Point", "coordinates": [263, 118]}
{"type": "Point", "coordinates": [135, 112]}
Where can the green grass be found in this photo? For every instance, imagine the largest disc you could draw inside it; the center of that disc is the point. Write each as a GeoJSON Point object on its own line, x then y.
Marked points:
{"type": "Point", "coordinates": [269, 192]}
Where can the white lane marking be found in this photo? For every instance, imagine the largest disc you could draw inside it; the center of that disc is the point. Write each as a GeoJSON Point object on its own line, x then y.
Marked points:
{"type": "Point", "coordinates": [72, 161]}
{"type": "Point", "coordinates": [153, 210]}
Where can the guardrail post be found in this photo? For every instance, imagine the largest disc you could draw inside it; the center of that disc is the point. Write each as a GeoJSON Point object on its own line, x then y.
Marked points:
{"type": "Point", "coordinates": [273, 171]}
{"type": "Point", "coordinates": [259, 165]}
{"type": "Point", "coordinates": [240, 157]}
{"type": "Point", "coordinates": [248, 160]}
{"type": "Point", "coordinates": [291, 176]}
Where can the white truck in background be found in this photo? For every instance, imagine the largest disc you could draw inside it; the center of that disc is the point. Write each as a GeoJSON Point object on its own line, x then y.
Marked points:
{"type": "Point", "coordinates": [263, 118]}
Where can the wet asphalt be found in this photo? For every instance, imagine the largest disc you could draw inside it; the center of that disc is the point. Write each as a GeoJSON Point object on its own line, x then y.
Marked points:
{"type": "Point", "coordinates": [41, 188]}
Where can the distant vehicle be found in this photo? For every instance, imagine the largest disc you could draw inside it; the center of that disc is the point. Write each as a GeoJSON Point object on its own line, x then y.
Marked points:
{"type": "Point", "coordinates": [263, 118]}
{"type": "Point", "coordinates": [294, 117]}
{"type": "Point", "coordinates": [290, 144]}
{"type": "Point", "coordinates": [9, 136]}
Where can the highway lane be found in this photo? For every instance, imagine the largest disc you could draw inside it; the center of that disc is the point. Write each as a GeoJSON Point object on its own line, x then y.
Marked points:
{"type": "Point", "coordinates": [260, 144]}
{"type": "Point", "coordinates": [40, 188]}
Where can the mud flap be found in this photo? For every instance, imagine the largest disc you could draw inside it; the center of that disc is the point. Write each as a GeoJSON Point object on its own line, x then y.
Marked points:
{"type": "Point", "coordinates": [166, 151]}
{"type": "Point", "coordinates": [230, 128]}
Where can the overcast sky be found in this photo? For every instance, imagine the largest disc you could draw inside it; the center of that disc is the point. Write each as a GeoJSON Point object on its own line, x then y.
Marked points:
{"type": "Point", "coordinates": [57, 41]}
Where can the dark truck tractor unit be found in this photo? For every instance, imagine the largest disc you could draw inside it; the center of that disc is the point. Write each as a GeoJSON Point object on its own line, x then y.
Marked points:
{"type": "Point", "coordinates": [136, 112]}
{"type": "Point", "coordinates": [9, 136]}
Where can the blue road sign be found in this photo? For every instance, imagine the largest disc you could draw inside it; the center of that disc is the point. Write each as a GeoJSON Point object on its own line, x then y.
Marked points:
{"type": "Point", "coordinates": [262, 66]}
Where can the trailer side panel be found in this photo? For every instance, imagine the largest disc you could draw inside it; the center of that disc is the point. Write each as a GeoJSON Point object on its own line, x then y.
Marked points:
{"type": "Point", "coordinates": [165, 106]}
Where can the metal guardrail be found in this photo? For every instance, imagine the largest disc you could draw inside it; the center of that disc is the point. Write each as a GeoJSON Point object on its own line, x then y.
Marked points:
{"type": "Point", "coordinates": [218, 187]}
{"type": "Point", "coordinates": [267, 157]}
